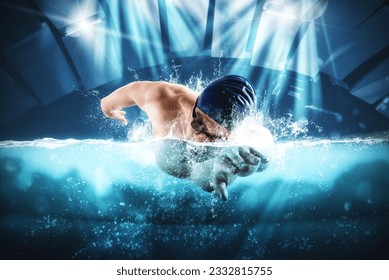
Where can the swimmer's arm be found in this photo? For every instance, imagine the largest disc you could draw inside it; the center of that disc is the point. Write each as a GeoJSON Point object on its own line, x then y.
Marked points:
{"type": "Point", "coordinates": [132, 94]}
{"type": "Point", "coordinates": [244, 160]}
{"type": "Point", "coordinates": [262, 164]}
{"type": "Point", "coordinates": [217, 173]}
{"type": "Point", "coordinates": [256, 154]}
{"type": "Point", "coordinates": [213, 175]}
{"type": "Point", "coordinates": [210, 173]}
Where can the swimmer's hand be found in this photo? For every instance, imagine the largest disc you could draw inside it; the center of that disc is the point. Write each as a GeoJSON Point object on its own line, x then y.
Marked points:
{"type": "Point", "coordinates": [222, 176]}
{"type": "Point", "coordinates": [117, 114]}
{"type": "Point", "coordinates": [233, 162]}
{"type": "Point", "coordinates": [244, 161]}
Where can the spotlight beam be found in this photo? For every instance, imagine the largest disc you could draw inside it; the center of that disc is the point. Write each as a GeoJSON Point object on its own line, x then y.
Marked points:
{"type": "Point", "coordinates": [83, 25]}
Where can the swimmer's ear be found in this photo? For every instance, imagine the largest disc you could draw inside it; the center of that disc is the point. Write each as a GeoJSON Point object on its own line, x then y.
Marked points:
{"type": "Point", "coordinates": [196, 124]}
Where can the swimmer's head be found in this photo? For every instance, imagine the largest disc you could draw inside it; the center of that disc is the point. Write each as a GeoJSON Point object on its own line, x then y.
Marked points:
{"type": "Point", "coordinates": [227, 100]}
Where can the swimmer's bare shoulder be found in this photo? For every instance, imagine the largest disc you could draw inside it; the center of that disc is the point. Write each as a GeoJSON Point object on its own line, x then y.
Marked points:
{"type": "Point", "coordinates": [144, 93]}
{"type": "Point", "coordinates": [159, 90]}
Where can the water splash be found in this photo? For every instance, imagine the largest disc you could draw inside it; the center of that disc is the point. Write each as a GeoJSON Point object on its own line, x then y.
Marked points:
{"type": "Point", "coordinates": [287, 128]}
{"type": "Point", "coordinates": [197, 83]}
{"type": "Point", "coordinates": [140, 131]}
{"type": "Point", "coordinates": [175, 72]}
{"type": "Point", "coordinates": [94, 93]}
{"type": "Point", "coordinates": [134, 73]}
{"type": "Point", "coordinates": [218, 68]}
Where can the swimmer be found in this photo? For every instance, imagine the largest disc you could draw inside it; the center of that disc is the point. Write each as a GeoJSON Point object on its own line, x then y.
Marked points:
{"type": "Point", "coordinates": [179, 115]}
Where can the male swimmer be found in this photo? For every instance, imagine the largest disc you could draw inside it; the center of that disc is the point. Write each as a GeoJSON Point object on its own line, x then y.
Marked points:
{"type": "Point", "coordinates": [179, 115]}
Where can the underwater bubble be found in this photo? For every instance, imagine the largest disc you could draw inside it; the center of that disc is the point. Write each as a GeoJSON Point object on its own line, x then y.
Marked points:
{"type": "Point", "coordinates": [11, 166]}
{"type": "Point", "coordinates": [347, 206]}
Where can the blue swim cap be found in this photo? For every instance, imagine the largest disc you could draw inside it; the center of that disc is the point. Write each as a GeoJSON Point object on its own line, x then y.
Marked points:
{"type": "Point", "coordinates": [228, 100]}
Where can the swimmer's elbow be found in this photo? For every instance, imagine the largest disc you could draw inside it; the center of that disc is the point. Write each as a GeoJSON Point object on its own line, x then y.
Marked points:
{"type": "Point", "coordinates": [105, 106]}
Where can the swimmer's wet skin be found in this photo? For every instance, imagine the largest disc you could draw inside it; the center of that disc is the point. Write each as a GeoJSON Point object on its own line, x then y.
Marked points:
{"type": "Point", "coordinates": [241, 162]}
{"type": "Point", "coordinates": [176, 112]}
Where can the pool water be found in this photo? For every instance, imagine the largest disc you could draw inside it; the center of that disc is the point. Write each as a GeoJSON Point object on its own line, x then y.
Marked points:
{"type": "Point", "coordinates": [100, 199]}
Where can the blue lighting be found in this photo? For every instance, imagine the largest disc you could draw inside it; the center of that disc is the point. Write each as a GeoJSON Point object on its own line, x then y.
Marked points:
{"type": "Point", "coordinates": [76, 185]}
{"type": "Point", "coordinates": [111, 200]}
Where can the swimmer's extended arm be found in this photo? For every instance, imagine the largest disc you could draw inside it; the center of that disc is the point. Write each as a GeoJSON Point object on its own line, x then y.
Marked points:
{"type": "Point", "coordinates": [212, 170]}
{"type": "Point", "coordinates": [217, 173]}
{"type": "Point", "coordinates": [179, 159]}
{"type": "Point", "coordinates": [213, 175]}
{"type": "Point", "coordinates": [135, 93]}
